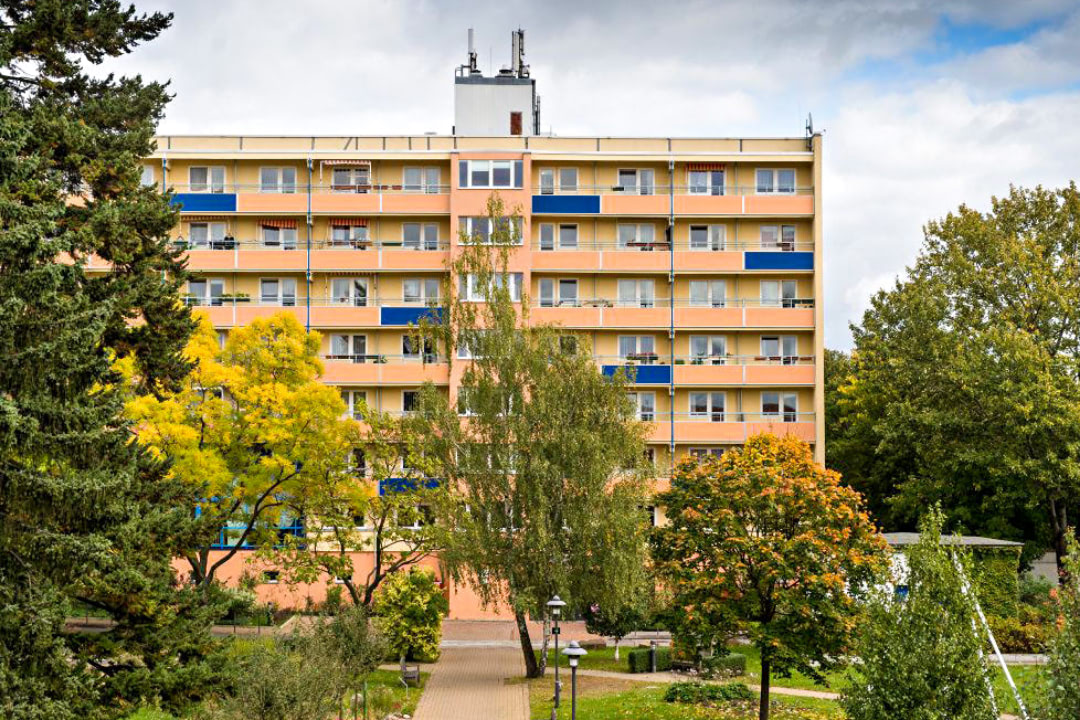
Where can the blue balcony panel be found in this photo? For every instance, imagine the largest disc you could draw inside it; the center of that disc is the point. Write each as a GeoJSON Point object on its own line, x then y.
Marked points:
{"type": "Point", "coordinates": [205, 202]}
{"type": "Point", "coordinates": [566, 204]}
{"type": "Point", "coordinates": [642, 374]}
{"type": "Point", "coordinates": [408, 315]}
{"type": "Point", "coordinates": [396, 485]}
{"type": "Point", "coordinates": [778, 261]}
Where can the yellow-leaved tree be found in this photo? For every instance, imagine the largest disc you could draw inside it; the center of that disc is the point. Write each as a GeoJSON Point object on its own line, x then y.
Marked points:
{"type": "Point", "coordinates": [253, 433]}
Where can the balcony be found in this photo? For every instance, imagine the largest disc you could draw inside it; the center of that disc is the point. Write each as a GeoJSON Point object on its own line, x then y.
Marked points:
{"type": "Point", "coordinates": [375, 254]}
{"type": "Point", "coordinates": [712, 371]}
{"type": "Point", "coordinates": [601, 255]}
{"type": "Point", "coordinates": [661, 200]}
{"type": "Point", "coordinates": [375, 369]}
{"type": "Point", "coordinates": [294, 198]}
{"type": "Point", "coordinates": [733, 313]}
{"type": "Point", "coordinates": [232, 310]}
{"type": "Point", "coordinates": [730, 427]}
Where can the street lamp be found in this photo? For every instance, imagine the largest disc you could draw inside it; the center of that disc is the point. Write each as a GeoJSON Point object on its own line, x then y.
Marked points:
{"type": "Point", "coordinates": [574, 652]}
{"type": "Point", "coordinates": [556, 605]}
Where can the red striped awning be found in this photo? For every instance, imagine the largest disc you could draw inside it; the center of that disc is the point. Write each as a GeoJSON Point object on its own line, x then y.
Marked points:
{"type": "Point", "coordinates": [350, 163]}
{"type": "Point", "coordinates": [348, 222]}
{"type": "Point", "coordinates": [705, 166]}
{"type": "Point", "coordinates": [205, 218]}
{"type": "Point", "coordinates": [279, 223]}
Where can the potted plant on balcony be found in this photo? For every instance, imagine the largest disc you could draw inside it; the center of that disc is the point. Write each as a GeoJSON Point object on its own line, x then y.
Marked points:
{"type": "Point", "coordinates": [234, 298]}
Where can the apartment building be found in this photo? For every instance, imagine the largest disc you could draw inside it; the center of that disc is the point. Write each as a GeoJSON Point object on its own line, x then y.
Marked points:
{"type": "Point", "coordinates": [697, 261]}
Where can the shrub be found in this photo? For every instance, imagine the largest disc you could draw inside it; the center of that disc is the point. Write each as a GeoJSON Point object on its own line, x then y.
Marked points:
{"type": "Point", "coordinates": [729, 665]}
{"type": "Point", "coordinates": [410, 608]}
{"type": "Point", "coordinates": [639, 659]}
{"type": "Point", "coordinates": [701, 694]}
{"type": "Point", "coordinates": [1014, 636]}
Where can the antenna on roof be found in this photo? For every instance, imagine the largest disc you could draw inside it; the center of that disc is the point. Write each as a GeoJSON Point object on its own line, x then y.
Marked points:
{"type": "Point", "coordinates": [809, 131]}
{"type": "Point", "coordinates": [470, 67]}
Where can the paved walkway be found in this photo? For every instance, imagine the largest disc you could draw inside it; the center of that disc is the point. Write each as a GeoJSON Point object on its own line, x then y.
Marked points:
{"type": "Point", "coordinates": [469, 683]}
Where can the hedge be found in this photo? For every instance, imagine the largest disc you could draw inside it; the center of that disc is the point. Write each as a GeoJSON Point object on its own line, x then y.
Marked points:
{"type": "Point", "coordinates": [639, 659]}
{"type": "Point", "coordinates": [729, 665]}
{"type": "Point", "coordinates": [699, 693]}
{"type": "Point", "coordinates": [997, 580]}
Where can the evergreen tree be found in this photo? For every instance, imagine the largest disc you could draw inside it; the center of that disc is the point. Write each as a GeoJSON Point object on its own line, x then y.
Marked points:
{"type": "Point", "coordinates": [85, 515]}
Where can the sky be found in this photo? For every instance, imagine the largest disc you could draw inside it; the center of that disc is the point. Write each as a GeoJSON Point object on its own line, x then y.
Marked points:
{"type": "Point", "coordinates": [925, 105]}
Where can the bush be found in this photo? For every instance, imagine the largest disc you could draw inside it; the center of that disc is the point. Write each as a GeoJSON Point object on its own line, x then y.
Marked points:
{"type": "Point", "coordinates": [701, 694]}
{"type": "Point", "coordinates": [1014, 636]}
{"type": "Point", "coordinates": [730, 665]}
{"type": "Point", "coordinates": [639, 659]}
{"type": "Point", "coordinates": [410, 608]}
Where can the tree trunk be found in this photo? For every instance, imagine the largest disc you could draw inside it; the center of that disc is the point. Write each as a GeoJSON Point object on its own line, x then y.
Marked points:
{"type": "Point", "coordinates": [763, 703]}
{"type": "Point", "coordinates": [1059, 524]}
{"type": "Point", "coordinates": [544, 649]}
{"type": "Point", "coordinates": [617, 649]}
{"type": "Point", "coordinates": [532, 670]}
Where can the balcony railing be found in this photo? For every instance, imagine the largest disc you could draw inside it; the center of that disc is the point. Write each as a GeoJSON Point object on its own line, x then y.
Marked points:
{"type": "Point", "coordinates": [680, 302]}
{"type": "Point", "coordinates": [667, 189]}
{"type": "Point", "coordinates": [664, 246]}
{"type": "Point", "coordinates": [300, 188]}
{"type": "Point", "coordinates": [232, 243]}
{"type": "Point", "coordinates": [726, 360]}
{"type": "Point", "coordinates": [384, 358]}
{"type": "Point", "coordinates": [299, 300]}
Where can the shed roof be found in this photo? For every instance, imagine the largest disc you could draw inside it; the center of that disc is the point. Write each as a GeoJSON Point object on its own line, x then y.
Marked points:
{"type": "Point", "coordinates": [901, 539]}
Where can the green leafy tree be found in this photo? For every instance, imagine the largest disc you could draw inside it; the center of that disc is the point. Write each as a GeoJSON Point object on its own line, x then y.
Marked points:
{"type": "Point", "coordinates": [86, 516]}
{"type": "Point", "coordinates": [393, 511]}
{"type": "Point", "coordinates": [764, 542]}
{"type": "Point", "coordinates": [966, 374]}
{"type": "Point", "coordinates": [920, 655]}
{"type": "Point", "coordinates": [410, 608]}
{"type": "Point", "coordinates": [1060, 681]}
{"type": "Point", "coordinates": [619, 623]}
{"type": "Point", "coordinates": [540, 447]}
{"type": "Point", "coordinates": [251, 434]}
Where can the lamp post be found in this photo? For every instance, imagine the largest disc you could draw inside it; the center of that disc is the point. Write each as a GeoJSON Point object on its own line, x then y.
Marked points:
{"type": "Point", "coordinates": [556, 605]}
{"type": "Point", "coordinates": [574, 652]}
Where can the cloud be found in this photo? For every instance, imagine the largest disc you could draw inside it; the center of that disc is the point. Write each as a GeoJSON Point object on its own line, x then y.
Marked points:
{"type": "Point", "coordinates": [926, 104]}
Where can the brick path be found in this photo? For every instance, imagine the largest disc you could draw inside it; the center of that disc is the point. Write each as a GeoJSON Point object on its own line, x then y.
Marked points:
{"type": "Point", "coordinates": [468, 683]}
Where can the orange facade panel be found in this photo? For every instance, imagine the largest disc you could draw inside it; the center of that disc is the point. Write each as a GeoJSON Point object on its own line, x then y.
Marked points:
{"type": "Point", "coordinates": [339, 372]}
{"type": "Point", "coordinates": [649, 261]}
{"type": "Point", "coordinates": [418, 204]}
{"type": "Point", "coordinates": [708, 261]}
{"type": "Point", "coordinates": [779, 205]}
{"type": "Point", "coordinates": [709, 374]}
{"type": "Point", "coordinates": [570, 317]}
{"type": "Point", "coordinates": [295, 260]}
{"type": "Point", "coordinates": [343, 316]}
{"type": "Point", "coordinates": [568, 260]}
{"type": "Point", "coordinates": [779, 317]}
{"type": "Point", "coordinates": [709, 204]}
{"type": "Point", "coordinates": [801, 430]}
{"type": "Point", "coordinates": [780, 374]}
{"type": "Point", "coordinates": [348, 203]}
{"type": "Point", "coordinates": [709, 317]}
{"type": "Point", "coordinates": [635, 317]}
{"type": "Point", "coordinates": [272, 202]}
{"type": "Point", "coordinates": [635, 204]}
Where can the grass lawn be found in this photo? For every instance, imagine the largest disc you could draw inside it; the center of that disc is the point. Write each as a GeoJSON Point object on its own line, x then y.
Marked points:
{"type": "Point", "coordinates": [385, 681]}
{"type": "Point", "coordinates": [618, 699]}
{"type": "Point", "coordinates": [603, 659]}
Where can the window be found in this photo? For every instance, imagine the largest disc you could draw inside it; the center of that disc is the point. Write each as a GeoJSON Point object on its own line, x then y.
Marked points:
{"type": "Point", "coordinates": [282, 237]}
{"type": "Point", "coordinates": [568, 180]}
{"type": "Point", "coordinates": [708, 405]}
{"type": "Point", "coordinates": [349, 291]}
{"type": "Point", "coordinates": [636, 293]}
{"type": "Point", "coordinates": [420, 236]}
{"type": "Point", "coordinates": [547, 181]}
{"type": "Point", "coordinates": [479, 230]}
{"type": "Point", "coordinates": [277, 291]}
{"type": "Point", "coordinates": [278, 179]}
{"type": "Point", "coordinates": [708, 348]}
{"type": "Point", "coordinates": [563, 237]}
{"type": "Point", "coordinates": [772, 403]}
{"type": "Point", "coordinates": [774, 237]}
{"type": "Point", "coordinates": [707, 237]}
{"type": "Point", "coordinates": [420, 291]}
{"type": "Point", "coordinates": [206, 291]}
{"type": "Point", "coordinates": [355, 236]}
{"type": "Point", "coordinates": [345, 180]}
{"type": "Point", "coordinates": [775, 182]}
{"type": "Point", "coordinates": [471, 292]}
{"type": "Point", "coordinates": [206, 179]}
{"type": "Point", "coordinates": [784, 348]}
{"type": "Point", "coordinates": [635, 182]}
{"type": "Point", "coordinates": [464, 351]}
{"type": "Point", "coordinates": [411, 349]}
{"type": "Point", "coordinates": [641, 237]}
{"type": "Point", "coordinates": [779, 293]}
{"type": "Point", "coordinates": [270, 577]}
{"type": "Point", "coordinates": [708, 293]}
{"type": "Point", "coordinates": [637, 347]}
{"type": "Point", "coordinates": [147, 176]}
{"type": "Point", "coordinates": [568, 344]}
{"type": "Point", "coordinates": [561, 292]}
{"type": "Point", "coordinates": [706, 182]}
{"type": "Point", "coordinates": [644, 405]}
{"type": "Point", "coordinates": [207, 235]}
{"type": "Point", "coordinates": [355, 400]}
{"type": "Point", "coordinates": [701, 454]}
{"type": "Point", "coordinates": [515, 122]}
{"type": "Point", "coordinates": [222, 338]}
{"type": "Point", "coordinates": [420, 179]}
{"type": "Point", "coordinates": [490, 173]}
{"type": "Point", "coordinates": [650, 515]}
{"type": "Point", "coordinates": [410, 400]}
{"type": "Point", "coordinates": [348, 347]}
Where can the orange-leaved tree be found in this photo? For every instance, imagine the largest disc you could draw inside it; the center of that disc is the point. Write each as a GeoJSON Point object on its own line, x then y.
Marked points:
{"type": "Point", "coordinates": [766, 543]}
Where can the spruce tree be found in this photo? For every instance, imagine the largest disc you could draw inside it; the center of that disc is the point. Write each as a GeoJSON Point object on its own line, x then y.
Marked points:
{"type": "Point", "coordinates": [87, 518]}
